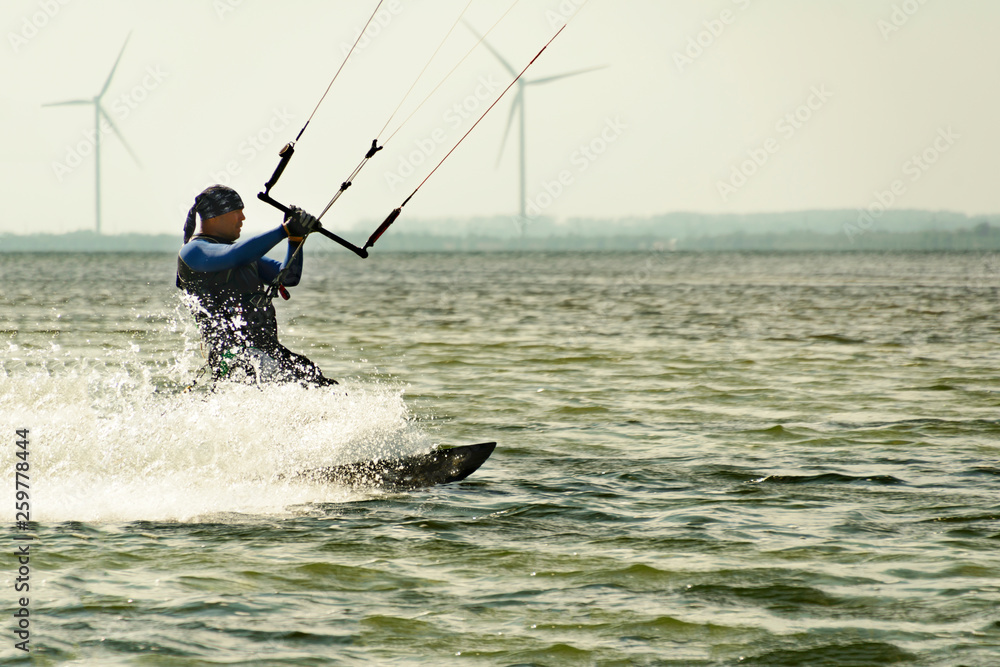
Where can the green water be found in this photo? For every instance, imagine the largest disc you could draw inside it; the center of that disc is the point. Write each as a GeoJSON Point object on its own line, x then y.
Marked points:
{"type": "Point", "coordinates": [716, 459]}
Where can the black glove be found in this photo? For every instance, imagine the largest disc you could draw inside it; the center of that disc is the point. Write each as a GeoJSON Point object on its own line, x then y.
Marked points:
{"type": "Point", "coordinates": [298, 223]}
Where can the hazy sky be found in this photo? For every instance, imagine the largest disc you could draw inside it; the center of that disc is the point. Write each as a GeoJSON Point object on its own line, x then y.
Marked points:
{"type": "Point", "coordinates": [707, 105]}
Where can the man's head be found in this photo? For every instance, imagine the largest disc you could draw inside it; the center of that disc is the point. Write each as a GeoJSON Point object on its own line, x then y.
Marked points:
{"type": "Point", "coordinates": [221, 211]}
{"type": "Point", "coordinates": [226, 226]}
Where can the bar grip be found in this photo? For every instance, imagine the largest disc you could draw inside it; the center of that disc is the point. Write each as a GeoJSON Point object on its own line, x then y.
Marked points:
{"type": "Point", "coordinates": [285, 154]}
{"type": "Point", "coordinates": [384, 226]}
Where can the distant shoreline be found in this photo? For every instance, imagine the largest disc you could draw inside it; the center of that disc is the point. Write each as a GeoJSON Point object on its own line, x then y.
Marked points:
{"type": "Point", "coordinates": [807, 231]}
{"type": "Point", "coordinates": [924, 242]}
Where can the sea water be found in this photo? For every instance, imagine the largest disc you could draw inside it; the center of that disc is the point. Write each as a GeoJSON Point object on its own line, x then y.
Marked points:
{"type": "Point", "coordinates": [703, 459]}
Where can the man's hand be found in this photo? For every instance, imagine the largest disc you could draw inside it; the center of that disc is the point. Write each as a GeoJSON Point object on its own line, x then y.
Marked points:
{"type": "Point", "coordinates": [298, 224]}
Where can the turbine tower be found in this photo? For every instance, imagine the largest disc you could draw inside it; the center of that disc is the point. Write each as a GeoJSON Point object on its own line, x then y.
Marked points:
{"type": "Point", "coordinates": [517, 107]}
{"type": "Point", "coordinates": [99, 113]}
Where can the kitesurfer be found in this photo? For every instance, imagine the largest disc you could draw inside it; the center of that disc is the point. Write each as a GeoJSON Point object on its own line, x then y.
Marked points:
{"type": "Point", "coordinates": [227, 283]}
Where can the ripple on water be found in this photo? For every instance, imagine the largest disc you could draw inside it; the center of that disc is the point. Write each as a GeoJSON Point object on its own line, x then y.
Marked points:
{"type": "Point", "coordinates": [789, 459]}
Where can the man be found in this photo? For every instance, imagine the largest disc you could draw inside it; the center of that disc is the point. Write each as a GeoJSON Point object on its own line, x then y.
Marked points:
{"type": "Point", "coordinates": [228, 283]}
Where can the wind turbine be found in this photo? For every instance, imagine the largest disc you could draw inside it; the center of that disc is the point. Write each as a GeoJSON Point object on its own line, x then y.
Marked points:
{"type": "Point", "coordinates": [517, 107]}
{"type": "Point", "coordinates": [100, 112]}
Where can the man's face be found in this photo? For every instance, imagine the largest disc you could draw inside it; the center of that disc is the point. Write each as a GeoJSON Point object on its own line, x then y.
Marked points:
{"type": "Point", "coordinates": [226, 226]}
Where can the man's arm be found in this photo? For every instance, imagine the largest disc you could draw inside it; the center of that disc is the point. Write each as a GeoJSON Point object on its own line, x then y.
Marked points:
{"type": "Point", "coordinates": [221, 256]}
{"type": "Point", "coordinates": [268, 268]}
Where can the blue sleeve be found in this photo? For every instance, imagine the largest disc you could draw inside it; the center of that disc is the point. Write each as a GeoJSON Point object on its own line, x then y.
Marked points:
{"type": "Point", "coordinates": [268, 268]}
{"type": "Point", "coordinates": [204, 256]}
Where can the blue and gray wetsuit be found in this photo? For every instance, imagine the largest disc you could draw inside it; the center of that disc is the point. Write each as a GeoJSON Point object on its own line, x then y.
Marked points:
{"type": "Point", "coordinates": [235, 316]}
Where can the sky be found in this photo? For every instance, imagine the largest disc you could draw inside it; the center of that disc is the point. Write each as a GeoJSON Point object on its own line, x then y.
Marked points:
{"type": "Point", "coordinates": [713, 106]}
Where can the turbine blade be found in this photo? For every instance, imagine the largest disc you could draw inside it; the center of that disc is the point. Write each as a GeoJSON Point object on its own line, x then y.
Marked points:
{"type": "Point", "coordinates": [69, 103]}
{"type": "Point", "coordinates": [107, 83]}
{"type": "Point", "coordinates": [496, 54]}
{"type": "Point", "coordinates": [120, 137]}
{"type": "Point", "coordinates": [550, 79]}
{"type": "Point", "coordinates": [514, 106]}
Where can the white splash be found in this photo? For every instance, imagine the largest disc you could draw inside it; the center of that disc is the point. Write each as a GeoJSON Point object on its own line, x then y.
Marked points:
{"type": "Point", "coordinates": [116, 440]}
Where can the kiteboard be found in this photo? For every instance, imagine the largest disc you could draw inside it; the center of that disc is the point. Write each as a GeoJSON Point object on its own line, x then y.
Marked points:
{"type": "Point", "coordinates": [442, 466]}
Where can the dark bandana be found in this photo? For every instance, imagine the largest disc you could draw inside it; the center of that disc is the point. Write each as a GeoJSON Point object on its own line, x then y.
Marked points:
{"type": "Point", "coordinates": [213, 201]}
